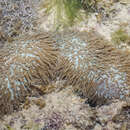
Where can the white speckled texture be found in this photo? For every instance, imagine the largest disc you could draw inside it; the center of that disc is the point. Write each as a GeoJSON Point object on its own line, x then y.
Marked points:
{"type": "Point", "coordinates": [25, 62]}
{"type": "Point", "coordinates": [92, 60]}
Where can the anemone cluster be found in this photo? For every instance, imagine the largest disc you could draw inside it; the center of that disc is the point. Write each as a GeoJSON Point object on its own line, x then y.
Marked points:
{"type": "Point", "coordinates": [105, 69]}
{"type": "Point", "coordinates": [86, 61]}
{"type": "Point", "coordinates": [26, 62]}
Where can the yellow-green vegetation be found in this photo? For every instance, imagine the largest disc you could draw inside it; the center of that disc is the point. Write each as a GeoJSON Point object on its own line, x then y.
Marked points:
{"type": "Point", "coordinates": [67, 12]}
{"type": "Point", "coordinates": [18, 61]}
{"type": "Point", "coordinates": [32, 126]}
{"type": "Point", "coordinates": [8, 127]}
{"type": "Point", "coordinates": [120, 36]}
{"type": "Point", "coordinates": [105, 72]}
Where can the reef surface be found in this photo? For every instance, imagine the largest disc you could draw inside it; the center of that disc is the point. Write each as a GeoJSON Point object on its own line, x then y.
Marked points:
{"type": "Point", "coordinates": [58, 106]}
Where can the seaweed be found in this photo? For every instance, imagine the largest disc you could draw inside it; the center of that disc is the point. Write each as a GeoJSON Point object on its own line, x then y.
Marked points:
{"type": "Point", "coordinates": [68, 12]}
{"type": "Point", "coordinates": [120, 36]}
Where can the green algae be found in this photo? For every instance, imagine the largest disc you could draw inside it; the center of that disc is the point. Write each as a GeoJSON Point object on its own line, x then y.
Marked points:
{"type": "Point", "coordinates": [120, 36]}
{"type": "Point", "coordinates": [69, 12]}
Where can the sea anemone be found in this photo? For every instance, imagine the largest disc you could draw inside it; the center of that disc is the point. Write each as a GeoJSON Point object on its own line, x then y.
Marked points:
{"type": "Point", "coordinates": [26, 62]}
{"type": "Point", "coordinates": [104, 71]}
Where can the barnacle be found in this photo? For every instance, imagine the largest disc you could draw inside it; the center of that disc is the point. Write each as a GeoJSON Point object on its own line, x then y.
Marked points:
{"type": "Point", "coordinates": [25, 63]}
{"type": "Point", "coordinates": [104, 71]}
